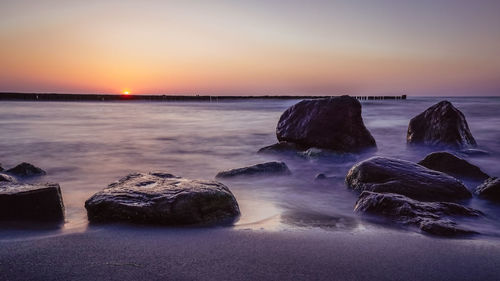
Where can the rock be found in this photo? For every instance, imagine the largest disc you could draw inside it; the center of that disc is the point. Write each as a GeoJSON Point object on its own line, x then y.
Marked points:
{"type": "Point", "coordinates": [161, 198]}
{"type": "Point", "coordinates": [441, 125]}
{"type": "Point", "coordinates": [323, 177]}
{"type": "Point", "coordinates": [26, 170]}
{"type": "Point", "coordinates": [452, 165]}
{"type": "Point", "coordinates": [1, 169]}
{"type": "Point", "coordinates": [34, 202]}
{"type": "Point", "coordinates": [267, 169]}
{"type": "Point", "coordinates": [6, 178]}
{"type": "Point", "coordinates": [281, 147]}
{"type": "Point", "coordinates": [320, 177]}
{"type": "Point", "coordinates": [388, 175]}
{"type": "Point", "coordinates": [489, 189]}
{"type": "Point", "coordinates": [330, 123]}
{"type": "Point", "coordinates": [428, 216]}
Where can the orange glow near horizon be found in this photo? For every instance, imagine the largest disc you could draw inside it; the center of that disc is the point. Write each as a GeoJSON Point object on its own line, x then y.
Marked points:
{"type": "Point", "coordinates": [126, 92]}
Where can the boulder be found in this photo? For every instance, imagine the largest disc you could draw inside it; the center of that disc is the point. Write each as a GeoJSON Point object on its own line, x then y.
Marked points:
{"type": "Point", "coordinates": [388, 175]}
{"type": "Point", "coordinates": [26, 170]}
{"type": "Point", "coordinates": [489, 189]}
{"type": "Point", "coordinates": [6, 178]}
{"type": "Point", "coordinates": [441, 125]}
{"type": "Point", "coordinates": [164, 199]}
{"type": "Point", "coordinates": [264, 169]}
{"type": "Point", "coordinates": [452, 165]}
{"type": "Point", "coordinates": [33, 202]}
{"type": "Point", "coordinates": [430, 217]}
{"type": "Point", "coordinates": [329, 123]}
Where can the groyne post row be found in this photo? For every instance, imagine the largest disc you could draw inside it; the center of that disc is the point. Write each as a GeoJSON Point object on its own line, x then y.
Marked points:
{"type": "Point", "coordinates": [92, 97]}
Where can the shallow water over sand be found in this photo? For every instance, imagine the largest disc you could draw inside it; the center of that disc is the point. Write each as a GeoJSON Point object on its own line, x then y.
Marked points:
{"type": "Point", "coordinates": [84, 146]}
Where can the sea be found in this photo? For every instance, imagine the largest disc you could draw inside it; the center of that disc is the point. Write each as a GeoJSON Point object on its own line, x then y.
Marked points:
{"type": "Point", "coordinates": [84, 146]}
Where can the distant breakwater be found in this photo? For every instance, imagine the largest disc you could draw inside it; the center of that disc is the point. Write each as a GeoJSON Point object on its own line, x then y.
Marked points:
{"type": "Point", "coordinates": [206, 98]}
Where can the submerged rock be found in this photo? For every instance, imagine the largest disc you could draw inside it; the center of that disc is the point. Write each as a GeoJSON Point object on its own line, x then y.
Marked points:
{"type": "Point", "coordinates": [281, 147]}
{"type": "Point", "coordinates": [474, 152]}
{"type": "Point", "coordinates": [35, 202]}
{"type": "Point", "coordinates": [1, 169]}
{"type": "Point", "coordinates": [268, 168]}
{"type": "Point", "coordinates": [452, 165]}
{"type": "Point", "coordinates": [6, 178]}
{"type": "Point", "coordinates": [161, 198]}
{"type": "Point", "coordinates": [330, 123]}
{"type": "Point", "coordinates": [441, 125]}
{"type": "Point", "coordinates": [388, 175]}
{"type": "Point", "coordinates": [428, 216]}
{"type": "Point", "coordinates": [26, 170]}
{"type": "Point", "coordinates": [489, 189]}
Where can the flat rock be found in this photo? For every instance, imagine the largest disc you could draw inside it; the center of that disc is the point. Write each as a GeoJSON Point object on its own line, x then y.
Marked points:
{"type": "Point", "coordinates": [489, 189]}
{"type": "Point", "coordinates": [263, 169]}
{"type": "Point", "coordinates": [330, 123]}
{"type": "Point", "coordinates": [430, 217]}
{"type": "Point", "coordinates": [441, 125]}
{"type": "Point", "coordinates": [33, 202]}
{"type": "Point", "coordinates": [26, 170]}
{"type": "Point", "coordinates": [164, 199]}
{"type": "Point", "coordinates": [452, 165]}
{"type": "Point", "coordinates": [388, 175]}
{"type": "Point", "coordinates": [6, 178]}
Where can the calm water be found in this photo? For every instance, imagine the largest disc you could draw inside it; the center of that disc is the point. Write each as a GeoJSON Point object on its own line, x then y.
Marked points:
{"type": "Point", "coordinates": [84, 146]}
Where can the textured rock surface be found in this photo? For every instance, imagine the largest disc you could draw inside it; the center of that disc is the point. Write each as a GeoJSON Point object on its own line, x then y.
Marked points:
{"type": "Point", "coordinates": [430, 217]}
{"type": "Point", "coordinates": [489, 189]}
{"type": "Point", "coordinates": [388, 175]}
{"type": "Point", "coordinates": [452, 165]}
{"type": "Point", "coordinates": [6, 178]}
{"type": "Point", "coordinates": [330, 123]}
{"type": "Point", "coordinates": [37, 202]}
{"type": "Point", "coordinates": [441, 125]}
{"type": "Point", "coordinates": [26, 170]}
{"type": "Point", "coordinates": [269, 168]}
{"type": "Point", "coordinates": [161, 198]}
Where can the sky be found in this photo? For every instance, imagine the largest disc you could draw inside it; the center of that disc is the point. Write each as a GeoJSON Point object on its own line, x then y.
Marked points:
{"type": "Point", "coordinates": [372, 47]}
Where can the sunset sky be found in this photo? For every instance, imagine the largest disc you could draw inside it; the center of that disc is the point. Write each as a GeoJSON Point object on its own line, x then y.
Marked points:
{"type": "Point", "coordinates": [251, 47]}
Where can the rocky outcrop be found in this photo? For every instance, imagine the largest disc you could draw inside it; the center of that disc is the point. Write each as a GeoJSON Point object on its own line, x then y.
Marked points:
{"type": "Point", "coordinates": [6, 178]}
{"type": "Point", "coordinates": [489, 189]}
{"type": "Point", "coordinates": [264, 169]}
{"type": "Point", "coordinates": [162, 198]}
{"type": "Point", "coordinates": [33, 202]}
{"type": "Point", "coordinates": [430, 217]}
{"type": "Point", "coordinates": [388, 175]}
{"type": "Point", "coordinates": [330, 123]}
{"type": "Point", "coordinates": [452, 165]}
{"type": "Point", "coordinates": [441, 125]}
{"type": "Point", "coordinates": [26, 170]}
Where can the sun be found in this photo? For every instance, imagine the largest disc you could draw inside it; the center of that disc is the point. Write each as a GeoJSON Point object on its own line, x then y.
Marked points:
{"type": "Point", "coordinates": [126, 92]}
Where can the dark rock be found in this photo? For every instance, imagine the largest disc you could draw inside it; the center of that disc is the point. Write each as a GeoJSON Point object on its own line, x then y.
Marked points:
{"type": "Point", "coordinates": [388, 175]}
{"type": "Point", "coordinates": [489, 189]}
{"type": "Point", "coordinates": [331, 123]}
{"type": "Point", "coordinates": [441, 125]}
{"type": "Point", "coordinates": [6, 178]}
{"type": "Point", "coordinates": [161, 198]}
{"type": "Point", "coordinates": [320, 177]}
{"type": "Point", "coordinates": [428, 216]}
{"type": "Point", "coordinates": [452, 165]}
{"type": "Point", "coordinates": [269, 168]}
{"type": "Point", "coordinates": [281, 147]}
{"type": "Point", "coordinates": [35, 202]}
{"type": "Point", "coordinates": [1, 169]}
{"type": "Point", "coordinates": [323, 177]}
{"type": "Point", "coordinates": [26, 170]}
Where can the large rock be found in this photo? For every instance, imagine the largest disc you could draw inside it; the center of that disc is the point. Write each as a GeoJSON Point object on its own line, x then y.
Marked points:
{"type": "Point", "coordinates": [161, 198]}
{"type": "Point", "coordinates": [26, 170]}
{"type": "Point", "coordinates": [428, 216]}
{"type": "Point", "coordinates": [388, 175]}
{"type": "Point", "coordinates": [489, 189]}
{"type": "Point", "coordinates": [441, 125]}
{"type": "Point", "coordinates": [452, 165]}
{"type": "Point", "coordinates": [330, 123]}
{"type": "Point", "coordinates": [35, 202]}
{"type": "Point", "coordinates": [264, 169]}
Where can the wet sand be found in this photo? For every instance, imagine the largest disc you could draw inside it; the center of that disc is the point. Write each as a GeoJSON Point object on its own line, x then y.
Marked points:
{"type": "Point", "coordinates": [143, 253]}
